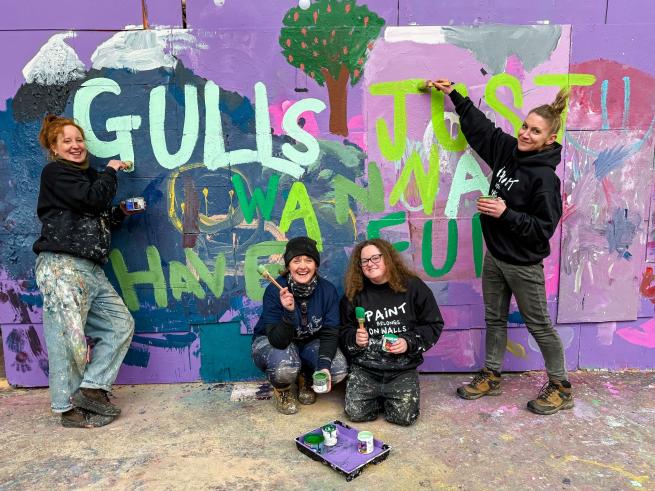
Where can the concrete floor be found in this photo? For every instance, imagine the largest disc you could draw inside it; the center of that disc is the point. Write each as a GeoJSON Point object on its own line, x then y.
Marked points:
{"type": "Point", "coordinates": [193, 436]}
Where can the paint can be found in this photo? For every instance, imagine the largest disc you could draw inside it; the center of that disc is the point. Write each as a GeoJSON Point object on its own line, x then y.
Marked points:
{"type": "Point", "coordinates": [388, 340]}
{"type": "Point", "coordinates": [365, 442]}
{"type": "Point", "coordinates": [330, 435]}
{"type": "Point", "coordinates": [320, 380]}
{"type": "Point", "coordinates": [135, 204]}
{"type": "Point", "coordinates": [315, 442]}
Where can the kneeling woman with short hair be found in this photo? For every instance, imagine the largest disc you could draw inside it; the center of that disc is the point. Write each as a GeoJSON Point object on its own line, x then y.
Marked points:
{"type": "Point", "coordinates": [298, 331]}
{"type": "Point", "coordinates": [394, 301]}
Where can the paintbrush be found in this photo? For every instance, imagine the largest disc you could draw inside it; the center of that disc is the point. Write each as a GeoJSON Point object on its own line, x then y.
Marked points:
{"type": "Point", "coordinates": [129, 166]}
{"type": "Point", "coordinates": [261, 269]}
{"type": "Point", "coordinates": [360, 313]}
{"type": "Point", "coordinates": [426, 85]}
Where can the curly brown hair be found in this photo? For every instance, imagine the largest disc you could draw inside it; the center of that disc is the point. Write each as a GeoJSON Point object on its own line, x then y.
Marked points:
{"type": "Point", "coordinates": [51, 128]}
{"type": "Point", "coordinates": [399, 274]}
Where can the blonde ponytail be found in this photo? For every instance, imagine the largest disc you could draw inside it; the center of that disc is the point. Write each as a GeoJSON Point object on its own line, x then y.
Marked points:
{"type": "Point", "coordinates": [553, 112]}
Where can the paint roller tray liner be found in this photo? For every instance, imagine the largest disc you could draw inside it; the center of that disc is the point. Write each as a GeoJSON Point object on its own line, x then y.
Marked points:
{"type": "Point", "coordinates": [344, 456]}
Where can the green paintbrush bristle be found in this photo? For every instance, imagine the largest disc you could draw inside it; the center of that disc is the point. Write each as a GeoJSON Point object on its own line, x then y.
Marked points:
{"type": "Point", "coordinates": [424, 86]}
{"type": "Point", "coordinates": [261, 269]}
{"type": "Point", "coordinates": [360, 313]}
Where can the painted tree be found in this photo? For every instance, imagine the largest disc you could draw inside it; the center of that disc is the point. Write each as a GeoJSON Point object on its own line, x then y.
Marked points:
{"type": "Point", "coordinates": [330, 42]}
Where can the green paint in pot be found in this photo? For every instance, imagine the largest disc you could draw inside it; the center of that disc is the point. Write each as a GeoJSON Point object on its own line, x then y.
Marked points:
{"type": "Point", "coordinates": [315, 442]}
{"type": "Point", "coordinates": [388, 340]}
{"type": "Point", "coordinates": [320, 380]}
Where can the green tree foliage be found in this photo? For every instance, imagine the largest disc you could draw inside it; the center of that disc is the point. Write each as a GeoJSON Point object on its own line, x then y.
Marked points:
{"type": "Point", "coordinates": [330, 42]}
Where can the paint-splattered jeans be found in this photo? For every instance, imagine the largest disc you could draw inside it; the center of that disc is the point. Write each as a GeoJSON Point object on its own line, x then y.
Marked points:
{"type": "Point", "coordinates": [499, 281]}
{"type": "Point", "coordinates": [79, 302]}
{"type": "Point", "coordinates": [396, 393]}
{"type": "Point", "coordinates": [282, 366]}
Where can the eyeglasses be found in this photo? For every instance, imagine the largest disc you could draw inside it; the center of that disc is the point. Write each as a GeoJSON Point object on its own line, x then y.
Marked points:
{"type": "Point", "coordinates": [375, 258]}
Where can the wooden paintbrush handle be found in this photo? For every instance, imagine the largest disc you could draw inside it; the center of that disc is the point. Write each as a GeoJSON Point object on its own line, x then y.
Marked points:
{"type": "Point", "coordinates": [268, 276]}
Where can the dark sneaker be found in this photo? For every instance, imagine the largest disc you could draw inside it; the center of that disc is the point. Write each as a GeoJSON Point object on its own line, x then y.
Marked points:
{"type": "Point", "coordinates": [80, 418]}
{"type": "Point", "coordinates": [485, 383]}
{"type": "Point", "coordinates": [96, 401]}
{"type": "Point", "coordinates": [552, 397]}
{"type": "Point", "coordinates": [306, 394]}
{"type": "Point", "coordinates": [285, 400]}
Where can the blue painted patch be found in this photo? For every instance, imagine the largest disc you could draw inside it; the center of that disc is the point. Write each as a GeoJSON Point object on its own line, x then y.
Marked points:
{"type": "Point", "coordinates": [515, 318]}
{"type": "Point", "coordinates": [225, 354]}
{"type": "Point", "coordinates": [610, 159]}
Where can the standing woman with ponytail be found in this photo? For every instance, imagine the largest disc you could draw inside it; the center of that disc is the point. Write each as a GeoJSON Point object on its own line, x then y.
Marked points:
{"type": "Point", "coordinates": [79, 303]}
{"type": "Point", "coordinates": [518, 219]}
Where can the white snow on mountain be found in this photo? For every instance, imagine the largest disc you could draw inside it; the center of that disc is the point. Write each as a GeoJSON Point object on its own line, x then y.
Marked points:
{"type": "Point", "coordinates": [141, 50]}
{"type": "Point", "coordinates": [56, 63]}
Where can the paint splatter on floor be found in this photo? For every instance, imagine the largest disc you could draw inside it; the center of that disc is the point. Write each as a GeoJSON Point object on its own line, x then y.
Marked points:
{"type": "Point", "coordinates": [200, 436]}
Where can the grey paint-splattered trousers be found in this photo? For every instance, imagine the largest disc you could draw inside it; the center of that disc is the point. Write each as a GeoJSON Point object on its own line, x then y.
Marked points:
{"type": "Point", "coordinates": [79, 302]}
{"type": "Point", "coordinates": [396, 393]}
{"type": "Point", "coordinates": [499, 281]}
{"type": "Point", "coordinates": [282, 366]}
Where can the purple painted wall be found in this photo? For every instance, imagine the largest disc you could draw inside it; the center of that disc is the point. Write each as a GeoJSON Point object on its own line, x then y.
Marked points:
{"type": "Point", "coordinates": [193, 323]}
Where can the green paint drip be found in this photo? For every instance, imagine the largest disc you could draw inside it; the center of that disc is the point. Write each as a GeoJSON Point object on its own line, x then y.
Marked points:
{"type": "Point", "coordinates": [391, 220]}
{"type": "Point", "coordinates": [370, 198]}
{"type": "Point", "coordinates": [154, 276]}
{"type": "Point", "coordinates": [451, 254]}
{"type": "Point", "coordinates": [254, 289]}
{"type": "Point", "coordinates": [215, 280]}
{"type": "Point", "coordinates": [181, 280]}
{"type": "Point", "coordinates": [439, 122]}
{"type": "Point", "coordinates": [399, 91]}
{"type": "Point", "coordinates": [427, 183]}
{"type": "Point", "coordinates": [477, 243]}
{"type": "Point", "coordinates": [261, 201]}
{"type": "Point", "coordinates": [299, 207]}
{"type": "Point", "coordinates": [513, 83]}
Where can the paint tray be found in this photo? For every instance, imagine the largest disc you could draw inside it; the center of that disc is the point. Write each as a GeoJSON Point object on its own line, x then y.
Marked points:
{"type": "Point", "coordinates": [344, 457]}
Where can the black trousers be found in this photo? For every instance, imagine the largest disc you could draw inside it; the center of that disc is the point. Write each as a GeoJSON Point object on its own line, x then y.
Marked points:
{"type": "Point", "coordinates": [396, 393]}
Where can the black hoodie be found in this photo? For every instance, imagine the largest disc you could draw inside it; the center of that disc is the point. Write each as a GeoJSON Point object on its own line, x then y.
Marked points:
{"type": "Point", "coordinates": [75, 209]}
{"type": "Point", "coordinates": [525, 180]}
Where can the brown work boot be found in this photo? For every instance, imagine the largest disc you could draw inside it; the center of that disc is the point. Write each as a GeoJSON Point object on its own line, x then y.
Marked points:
{"type": "Point", "coordinates": [285, 400]}
{"type": "Point", "coordinates": [81, 418]}
{"type": "Point", "coordinates": [485, 383]}
{"type": "Point", "coordinates": [95, 400]}
{"type": "Point", "coordinates": [553, 396]}
{"type": "Point", "coordinates": [306, 394]}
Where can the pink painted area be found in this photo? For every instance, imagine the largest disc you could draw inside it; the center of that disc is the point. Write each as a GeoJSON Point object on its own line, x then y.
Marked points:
{"type": "Point", "coordinates": [643, 335]}
{"type": "Point", "coordinates": [585, 106]}
{"type": "Point", "coordinates": [455, 351]}
{"type": "Point", "coordinates": [597, 280]}
{"type": "Point", "coordinates": [612, 390]}
{"type": "Point", "coordinates": [277, 112]}
{"type": "Point", "coordinates": [357, 131]}
{"type": "Point", "coordinates": [631, 345]}
{"type": "Point", "coordinates": [514, 67]}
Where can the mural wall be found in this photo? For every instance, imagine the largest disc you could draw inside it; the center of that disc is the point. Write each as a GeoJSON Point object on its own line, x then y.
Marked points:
{"type": "Point", "coordinates": [253, 122]}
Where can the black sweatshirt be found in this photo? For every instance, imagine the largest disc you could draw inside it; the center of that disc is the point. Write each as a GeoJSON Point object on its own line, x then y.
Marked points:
{"type": "Point", "coordinates": [412, 315]}
{"type": "Point", "coordinates": [525, 180]}
{"type": "Point", "coordinates": [75, 210]}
